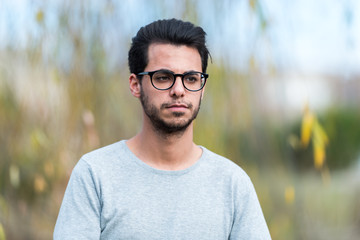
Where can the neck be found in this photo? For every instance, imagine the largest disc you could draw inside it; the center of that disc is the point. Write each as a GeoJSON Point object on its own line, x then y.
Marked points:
{"type": "Point", "coordinates": [174, 151]}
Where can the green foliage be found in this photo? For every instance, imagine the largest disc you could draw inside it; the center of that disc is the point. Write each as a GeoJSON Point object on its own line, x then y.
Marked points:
{"type": "Point", "coordinates": [63, 95]}
{"type": "Point", "coordinates": [341, 125]}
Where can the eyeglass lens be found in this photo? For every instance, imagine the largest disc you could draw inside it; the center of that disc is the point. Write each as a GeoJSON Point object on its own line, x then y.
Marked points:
{"type": "Point", "coordinates": [164, 80]}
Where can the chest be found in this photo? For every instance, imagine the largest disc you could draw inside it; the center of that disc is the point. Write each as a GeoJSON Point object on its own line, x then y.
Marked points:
{"type": "Point", "coordinates": [166, 208]}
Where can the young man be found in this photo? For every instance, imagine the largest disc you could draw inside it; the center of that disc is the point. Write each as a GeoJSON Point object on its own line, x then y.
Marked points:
{"type": "Point", "coordinates": [160, 184]}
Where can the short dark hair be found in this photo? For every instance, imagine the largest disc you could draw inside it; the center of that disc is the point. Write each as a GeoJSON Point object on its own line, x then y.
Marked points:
{"type": "Point", "coordinates": [172, 31]}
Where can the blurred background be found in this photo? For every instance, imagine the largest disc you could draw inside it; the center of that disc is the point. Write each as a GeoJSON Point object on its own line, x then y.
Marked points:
{"type": "Point", "coordinates": [282, 101]}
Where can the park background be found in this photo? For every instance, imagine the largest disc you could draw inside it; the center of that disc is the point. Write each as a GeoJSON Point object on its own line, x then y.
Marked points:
{"type": "Point", "coordinates": [282, 101]}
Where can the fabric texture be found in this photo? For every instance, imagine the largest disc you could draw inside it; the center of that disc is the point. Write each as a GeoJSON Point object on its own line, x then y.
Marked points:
{"type": "Point", "coordinates": [112, 194]}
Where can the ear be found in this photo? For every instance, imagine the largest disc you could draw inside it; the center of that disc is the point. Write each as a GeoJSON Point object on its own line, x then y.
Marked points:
{"type": "Point", "coordinates": [135, 86]}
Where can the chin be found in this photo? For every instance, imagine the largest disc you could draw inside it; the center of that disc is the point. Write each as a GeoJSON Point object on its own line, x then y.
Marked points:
{"type": "Point", "coordinates": [172, 127]}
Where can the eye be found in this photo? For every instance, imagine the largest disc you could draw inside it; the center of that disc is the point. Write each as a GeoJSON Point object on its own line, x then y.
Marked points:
{"type": "Point", "coordinates": [192, 77]}
{"type": "Point", "coordinates": [162, 77]}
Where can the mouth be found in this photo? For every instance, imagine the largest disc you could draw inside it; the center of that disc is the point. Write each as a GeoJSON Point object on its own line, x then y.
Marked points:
{"type": "Point", "coordinates": [176, 106]}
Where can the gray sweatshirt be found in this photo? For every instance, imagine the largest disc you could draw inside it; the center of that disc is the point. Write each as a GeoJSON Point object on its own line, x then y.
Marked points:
{"type": "Point", "coordinates": [112, 194]}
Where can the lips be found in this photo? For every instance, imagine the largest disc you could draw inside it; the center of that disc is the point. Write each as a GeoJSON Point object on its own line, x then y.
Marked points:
{"type": "Point", "coordinates": [177, 105]}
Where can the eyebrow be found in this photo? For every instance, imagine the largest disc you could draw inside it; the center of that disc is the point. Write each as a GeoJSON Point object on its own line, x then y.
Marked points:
{"type": "Point", "coordinates": [167, 70]}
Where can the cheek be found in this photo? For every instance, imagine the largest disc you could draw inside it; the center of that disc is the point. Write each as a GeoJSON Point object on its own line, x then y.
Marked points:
{"type": "Point", "coordinates": [151, 97]}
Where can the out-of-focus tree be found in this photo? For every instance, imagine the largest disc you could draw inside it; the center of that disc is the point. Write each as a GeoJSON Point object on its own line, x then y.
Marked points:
{"type": "Point", "coordinates": [65, 92]}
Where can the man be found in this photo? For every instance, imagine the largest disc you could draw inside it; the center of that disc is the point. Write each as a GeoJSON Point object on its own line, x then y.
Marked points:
{"type": "Point", "coordinates": [160, 184]}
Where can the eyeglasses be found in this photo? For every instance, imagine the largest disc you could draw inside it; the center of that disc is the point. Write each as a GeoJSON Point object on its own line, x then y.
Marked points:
{"type": "Point", "coordinates": [165, 79]}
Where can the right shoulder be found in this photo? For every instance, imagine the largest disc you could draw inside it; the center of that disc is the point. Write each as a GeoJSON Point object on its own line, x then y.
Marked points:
{"type": "Point", "coordinates": [105, 155]}
{"type": "Point", "coordinates": [103, 163]}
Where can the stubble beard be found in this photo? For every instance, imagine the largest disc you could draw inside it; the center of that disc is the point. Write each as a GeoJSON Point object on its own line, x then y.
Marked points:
{"type": "Point", "coordinates": [160, 125]}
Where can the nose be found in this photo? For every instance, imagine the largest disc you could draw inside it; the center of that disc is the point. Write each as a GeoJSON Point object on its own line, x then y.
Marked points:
{"type": "Point", "coordinates": [177, 89]}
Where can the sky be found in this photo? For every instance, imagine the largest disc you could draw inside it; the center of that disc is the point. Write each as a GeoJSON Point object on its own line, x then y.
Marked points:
{"type": "Point", "coordinates": [315, 36]}
{"type": "Point", "coordinates": [301, 35]}
{"type": "Point", "coordinates": [321, 35]}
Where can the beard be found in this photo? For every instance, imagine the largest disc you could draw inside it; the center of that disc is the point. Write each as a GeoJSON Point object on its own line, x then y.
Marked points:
{"type": "Point", "coordinates": [160, 125]}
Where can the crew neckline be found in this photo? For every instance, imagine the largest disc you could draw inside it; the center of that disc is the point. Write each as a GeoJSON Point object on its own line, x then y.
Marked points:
{"type": "Point", "coordinates": [147, 167]}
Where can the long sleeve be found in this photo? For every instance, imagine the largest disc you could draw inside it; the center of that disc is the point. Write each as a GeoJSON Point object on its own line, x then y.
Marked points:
{"type": "Point", "coordinates": [79, 216]}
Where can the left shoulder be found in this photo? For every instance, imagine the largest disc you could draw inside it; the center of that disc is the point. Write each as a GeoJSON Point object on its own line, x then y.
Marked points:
{"type": "Point", "coordinates": [223, 165]}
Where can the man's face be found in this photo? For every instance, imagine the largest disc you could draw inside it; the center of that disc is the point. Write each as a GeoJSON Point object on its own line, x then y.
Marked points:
{"type": "Point", "coordinates": [171, 111]}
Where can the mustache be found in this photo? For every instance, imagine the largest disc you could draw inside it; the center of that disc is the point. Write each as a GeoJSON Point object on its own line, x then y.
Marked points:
{"type": "Point", "coordinates": [169, 104]}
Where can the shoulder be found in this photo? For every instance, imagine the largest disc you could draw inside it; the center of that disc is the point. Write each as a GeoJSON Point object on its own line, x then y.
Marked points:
{"type": "Point", "coordinates": [224, 167]}
{"type": "Point", "coordinates": [228, 176]}
{"type": "Point", "coordinates": [105, 154]}
{"type": "Point", "coordinates": [101, 164]}
{"type": "Point", "coordinates": [106, 151]}
{"type": "Point", "coordinates": [102, 159]}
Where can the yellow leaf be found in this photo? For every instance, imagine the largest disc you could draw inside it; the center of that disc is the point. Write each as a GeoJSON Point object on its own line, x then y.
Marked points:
{"type": "Point", "coordinates": [252, 4]}
{"type": "Point", "coordinates": [306, 128]}
{"type": "Point", "coordinates": [40, 16]}
{"type": "Point", "coordinates": [39, 184]}
{"type": "Point", "coordinates": [311, 129]}
{"type": "Point", "coordinates": [38, 139]}
{"type": "Point", "coordinates": [289, 195]}
{"type": "Point", "coordinates": [319, 154]}
{"type": "Point", "coordinates": [2, 232]}
{"type": "Point", "coordinates": [320, 134]}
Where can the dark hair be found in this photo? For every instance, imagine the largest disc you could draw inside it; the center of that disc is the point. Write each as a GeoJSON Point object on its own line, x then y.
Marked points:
{"type": "Point", "coordinates": [171, 31]}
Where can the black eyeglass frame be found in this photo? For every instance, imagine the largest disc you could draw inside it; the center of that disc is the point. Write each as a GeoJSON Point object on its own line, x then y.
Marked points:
{"type": "Point", "coordinates": [205, 75]}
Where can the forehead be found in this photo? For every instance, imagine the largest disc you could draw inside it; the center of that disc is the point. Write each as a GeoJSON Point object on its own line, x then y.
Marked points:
{"type": "Point", "coordinates": [177, 58]}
